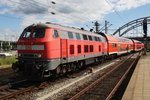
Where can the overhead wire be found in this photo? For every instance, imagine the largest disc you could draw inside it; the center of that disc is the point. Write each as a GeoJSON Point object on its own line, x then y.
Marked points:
{"type": "Point", "coordinates": [79, 18]}
{"type": "Point", "coordinates": [31, 4]}
{"type": "Point", "coordinates": [20, 3]}
{"type": "Point", "coordinates": [72, 15]}
{"type": "Point", "coordinates": [42, 6]}
{"type": "Point", "coordinates": [108, 2]}
{"type": "Point", "coordinates": [38, 5]}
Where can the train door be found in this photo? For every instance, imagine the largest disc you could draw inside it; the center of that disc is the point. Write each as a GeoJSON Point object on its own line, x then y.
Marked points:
{"type": "Point", "coordinates": [63, 50]}
{"type": "Point", "coordinates": [119, 48]}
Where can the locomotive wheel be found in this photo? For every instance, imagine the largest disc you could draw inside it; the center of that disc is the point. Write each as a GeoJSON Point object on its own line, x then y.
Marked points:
{"type": "Point", "coordinates": [69, 67]}
{"type": "Point", "coordinates": [58, 70]}
{"type": "Point", "coordinates": [64, 70]}
{"type": "Point", "coordinates": [79, 65]}
{"type": "Point", "coordinates": [73, 66]}
{"type": "Point", "coordinates": [82, 64]}
{"type": "Point", "coordinates": [15, 67]}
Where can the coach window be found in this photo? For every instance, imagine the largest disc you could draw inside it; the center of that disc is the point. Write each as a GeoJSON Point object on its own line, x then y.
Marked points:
{"type": "Point", "coordinates": [79, 48]}
{"type": "Point", "coordinates": [85, 48]}
{"type": "Point", "coordinates": [85, 37]}
{"type": "Point", "coordinates": [70, 35]}
{"type": "Point", "coordinates": [55, 35]}
{"type": "Point", "coordinates": [78, 36]}
{"type": "Point", "coordinates": [100, 39]}
{"type": "Point", "coordinates": [99, 48]}
{"type": "Point", "coordinates": [93, 38]}
{"type": "Point", "coordinates": [71, 49]}
{"type": "Point", "coordinates": [91, 48]}
{"type": "Point", "coordinates": [90, 38]}
{"type": "Point", "coordinates": [96, 38]}
{"type": "Point", "coordinates": [114, 45]}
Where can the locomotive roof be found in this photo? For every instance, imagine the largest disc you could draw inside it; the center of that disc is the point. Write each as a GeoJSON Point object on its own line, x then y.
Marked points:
{"type": "Point", "coordinates": [66, 28]}
{"type": "Point", "coordinates": [123, 39]}
{"type": "Point", "coordinates": [136, 41]}
{"type": "Point", "coordinates": [114, 38]}
{"type": "Point", "coordinates": [111, 38]}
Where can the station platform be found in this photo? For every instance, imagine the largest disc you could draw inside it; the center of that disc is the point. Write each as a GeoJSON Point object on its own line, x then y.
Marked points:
{"type": "Point", "coordinates": [139, 85]}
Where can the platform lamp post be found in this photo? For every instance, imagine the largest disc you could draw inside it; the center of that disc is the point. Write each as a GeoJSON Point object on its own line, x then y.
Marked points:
{"type": "Point", "coordinates": [145, 33]}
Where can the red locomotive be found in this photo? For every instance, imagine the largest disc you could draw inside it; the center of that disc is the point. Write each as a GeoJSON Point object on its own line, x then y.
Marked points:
{"type": "Point", "coordinates": [51, 49]}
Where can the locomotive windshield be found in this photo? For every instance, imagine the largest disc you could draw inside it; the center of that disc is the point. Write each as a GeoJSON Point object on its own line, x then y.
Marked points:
{"type": "Point", "coordinates": [26, 33]}
{"type": "Point", "coordinates": [33, 33]}
{"type": "Point", "coordinates": [38, 33]}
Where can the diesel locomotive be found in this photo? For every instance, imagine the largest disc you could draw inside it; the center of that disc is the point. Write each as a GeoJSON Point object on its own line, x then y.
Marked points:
{"type": "Point", "coordinates": [46, 49]}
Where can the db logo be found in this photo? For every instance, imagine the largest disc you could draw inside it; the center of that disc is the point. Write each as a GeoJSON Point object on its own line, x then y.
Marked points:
{"type": "Point", "coordinates": [28, 47]}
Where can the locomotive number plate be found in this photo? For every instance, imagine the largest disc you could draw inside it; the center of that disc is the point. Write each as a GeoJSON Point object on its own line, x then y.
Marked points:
{"type": "Point", "coordinates": [28, 47]}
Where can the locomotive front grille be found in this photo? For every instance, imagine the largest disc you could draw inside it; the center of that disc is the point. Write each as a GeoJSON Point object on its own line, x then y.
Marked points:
{"type": "Point", "coordinates": [29, 55]}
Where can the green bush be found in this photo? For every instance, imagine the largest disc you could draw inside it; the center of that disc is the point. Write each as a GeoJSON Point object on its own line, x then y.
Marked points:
{"type": "Point", "coordinates": [7, 60]}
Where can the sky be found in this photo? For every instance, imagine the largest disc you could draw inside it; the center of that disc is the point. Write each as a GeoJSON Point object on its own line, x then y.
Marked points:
{"type": "Point", "coordinates": [15, 15]}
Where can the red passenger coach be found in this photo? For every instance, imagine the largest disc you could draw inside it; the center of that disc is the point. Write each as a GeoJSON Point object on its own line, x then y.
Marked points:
{"type": "Point", "coordinates": [118, 45]}
{"type": "Point", "coordinates": [112, 43]}
{"type": "Point", "coordinates": [125, 45]}
{"type": "Point", "coordinates": [47, 49]}
{"type": "Point", "coordinates": [138, 45]}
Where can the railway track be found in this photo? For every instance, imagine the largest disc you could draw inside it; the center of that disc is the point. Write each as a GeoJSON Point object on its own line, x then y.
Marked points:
{"type": "Point", "coordinates": [13, 89]}
{"type": "Point", "coordinates": [6, 75]}
{"type": "Point", "coordinates": [107, 86]}
{"type": "Point", "coordinates": [5, 71]}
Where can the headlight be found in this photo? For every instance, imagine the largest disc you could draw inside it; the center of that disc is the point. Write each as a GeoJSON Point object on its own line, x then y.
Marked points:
{"type": "Point", "coordinates": [37, 47]}
{"type": "Point", "coordinates": [39, 55]}
{"type": "Point", "coordinates": [20, 47]}
{"type": "Point", "coordinates": [19, 54]}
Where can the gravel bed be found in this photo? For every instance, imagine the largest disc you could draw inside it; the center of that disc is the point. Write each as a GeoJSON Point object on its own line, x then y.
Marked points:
{"type": "Point", "coordinates": [60, 94]}
{"type": "Point", "coordinates": [64, 81]}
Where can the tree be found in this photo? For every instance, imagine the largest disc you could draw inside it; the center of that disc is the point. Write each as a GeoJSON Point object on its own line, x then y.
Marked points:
{"type": "Point", "coordinates": [6, 46]}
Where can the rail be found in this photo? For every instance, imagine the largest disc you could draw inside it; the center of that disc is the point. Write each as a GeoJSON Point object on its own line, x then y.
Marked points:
{"type": "Point", "coordinates": [87, 88]}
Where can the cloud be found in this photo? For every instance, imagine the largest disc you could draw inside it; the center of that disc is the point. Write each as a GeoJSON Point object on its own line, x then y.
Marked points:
{"type": "Point", "coordinates": [9, 35]}
{"type": "Point", "coordinates": [66, 12]}
{"type": "Point", "coordinates": [122, 5]}
{"type": "Point", "coordinates": [76, 10]}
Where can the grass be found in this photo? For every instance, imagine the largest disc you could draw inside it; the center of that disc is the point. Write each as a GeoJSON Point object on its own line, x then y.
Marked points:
{"type": "Point", "coordinates": [7, 60]}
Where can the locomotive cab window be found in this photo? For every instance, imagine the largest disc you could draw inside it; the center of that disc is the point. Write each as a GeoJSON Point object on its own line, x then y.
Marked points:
{"type": "Point", "coordinates": [38, 33]}
{"type": "Point", "coordinates": [55, 35]}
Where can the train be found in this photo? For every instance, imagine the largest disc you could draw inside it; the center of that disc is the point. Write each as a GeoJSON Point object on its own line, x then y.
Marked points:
{"type": "Point", "coordinates": [46, 49]}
